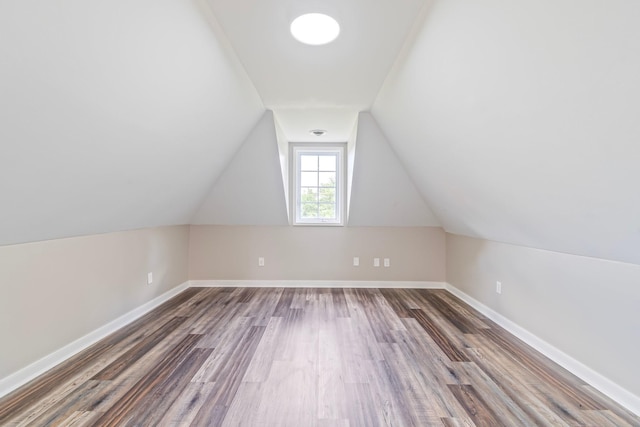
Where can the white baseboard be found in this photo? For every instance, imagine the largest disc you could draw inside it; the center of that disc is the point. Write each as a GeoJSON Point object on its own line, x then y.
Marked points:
{"type": "Point", "coordinates": [315, 284]}
{"type": "Point", "coordinates": [26, 374]}
{"type": "Point", "coordinates": [598, 381]}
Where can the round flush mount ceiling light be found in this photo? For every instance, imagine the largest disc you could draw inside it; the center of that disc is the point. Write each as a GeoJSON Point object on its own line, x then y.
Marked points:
{"type": "Point", "coordinates": [315, 29]}
{"type": "Point", "coordinates": [317, 132]}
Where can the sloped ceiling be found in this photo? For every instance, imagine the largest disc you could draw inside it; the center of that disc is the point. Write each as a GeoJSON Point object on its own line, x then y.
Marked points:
{"type": "Point", "coordinates": [115, 115]}
{"type": "Point", "coordinates": [311, 87]}
{"type": "Point", "coordinates": [519, 122]}
{"type": "Point", "coordinates": [250, 190]}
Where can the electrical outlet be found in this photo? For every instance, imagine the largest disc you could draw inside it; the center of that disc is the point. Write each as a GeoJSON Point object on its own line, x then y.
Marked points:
{"type": "Point", "coordinates": [387, 262]}
{"type": "Point", "coordinates": [376, 262]}
{"type": "Point", "coordinates": [356, 261]}
{"type": "Point", "coordinates": [261, 262]}
{"type": "Point", "coordinates": [498, 287]}
{"type": "Point", "coordinates": [149, 278]}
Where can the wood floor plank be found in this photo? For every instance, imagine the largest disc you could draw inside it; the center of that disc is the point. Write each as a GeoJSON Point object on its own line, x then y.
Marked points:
{"type": "Point", "coordinates": [66, 407]}
{"type": "Point", "coordinates": [416, 406]}
{"type": "Point", "coordinates": [109, 393]}
{"type": "Point", "coordinates": [362, 410]}
{"type": "Point", "coordinates": [547, 372]}
{"type": "Point", "coordinates": [288, 397]}
{"type": "Point", "coordinates": [331, 392]}
{"type": "Point", "coordinates": [260, 366]}
{"type": "Point", "coordinates": [356, 354]}
{"type": "Point", "coordinates": [284, 302]}
{"type": "Point", "coordinates": [362, 328]}
{"type": "Point", "coordinates": [457, 422]}
{"type": "Point", "coordinates": [136, 352]}
{"type": "Point", "coordinates": [194, 305]}
{"type": "Point", "coordinates": [77, 419]}
{"type": "Point", "coordinates": [44, 387]}
{"type": "Point", "coordinates": [228, 326]}
{"type": "Point", "coordinates": [228, 378]}
{"type": "Point", "coordinates": [507, 410]}
{"type": "Point", "coordinates": [395, 301]}
{"type": "Point", "coordinates": [464, 324]}
{"type": "Point", "coordinates": [262, 305]}
{"type": "Point", "coordinates": [311, 357]}
{"type": "Point", "coordinates": [67, 382]}
{"type": "Point", "coordinates": [450, 349]}
{"type": "Point", "coordinates": [481, 414]}
{"type": "Point", "coordinates": [510, 379]}
{"type": "Point", "coordinates": [228, 343]}
{"type": "Point", "coordinates": [126, 406]}
{"type": "Point", "coordinates": [619, 411]}
{"type": "Point", "coordinates": [606, 417]}
{"type": "Point", "coordinates": [161, 398]}
{"type": "Point", "coordinates": [462, 309]}
{"type": "Point", "coordinates": [431, 370]}
{"type": "Point", "coordinates": [186, 406]}
{"type": "Point", "coordinates": [219, 309]}
{"type": "Point", "coordinates": [390, 403]}
{"type": "Point", "coordinates": [247, 294]}
{"type": "Point", "coordinates": [544, 402]}
{"type": "Point", "coordinates": [244, 409]}
{"type": "Point", "coordinates": [374, 313]}
{"type": "Point", "coordinates": [340, 302]}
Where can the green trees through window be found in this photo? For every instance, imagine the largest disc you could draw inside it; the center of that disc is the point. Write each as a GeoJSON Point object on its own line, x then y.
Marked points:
{"type": "Point", "coordinates": [318, 186]}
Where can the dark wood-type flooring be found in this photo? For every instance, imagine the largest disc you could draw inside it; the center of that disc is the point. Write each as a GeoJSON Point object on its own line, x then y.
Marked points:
{"type": "Point", "coordinates": [310, 357]}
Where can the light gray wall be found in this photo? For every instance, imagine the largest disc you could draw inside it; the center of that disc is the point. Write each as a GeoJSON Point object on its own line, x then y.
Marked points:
{"type": "Point", "coordinates": [316, 253]}
{"type": "Point", "coordinates": [54, 292]}
{"type": "Point", "coordinates": [382, 191]}
{"type": "Point", "coordinates": [250, 191]}
{"type": "Point", "coordinates": [586, 307]}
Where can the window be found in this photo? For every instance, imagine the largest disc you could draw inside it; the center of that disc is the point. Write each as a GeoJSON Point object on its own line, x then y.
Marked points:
{"type": "Point", "coordinates": [318, 185]}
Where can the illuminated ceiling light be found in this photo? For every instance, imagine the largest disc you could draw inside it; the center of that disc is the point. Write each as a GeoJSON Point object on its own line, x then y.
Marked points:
{"type": "Point", "coordinates": [315, 29]}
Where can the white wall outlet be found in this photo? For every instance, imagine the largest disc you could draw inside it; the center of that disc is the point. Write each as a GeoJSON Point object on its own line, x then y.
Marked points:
{"type": "Point", "coordinates": [498, 287]}
{"type": "Point", "coordinates": [261, 262]}
{"type": "Point", "coordinates": [376, 262]}
{"type": "Point", "coordinates": [149, 278]}
{"type": "Point", "coordinates": [387, 262]}
{"type": "Point", "coordinates": [356, 261]}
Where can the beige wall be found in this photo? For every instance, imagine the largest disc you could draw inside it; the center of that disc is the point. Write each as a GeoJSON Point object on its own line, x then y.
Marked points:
{"type": "Point", "coordinates": [54, 292]}
{"type": "Point", "coordinates": [586, 307]}
{"type": "Point", "coordinates": [316, 253]}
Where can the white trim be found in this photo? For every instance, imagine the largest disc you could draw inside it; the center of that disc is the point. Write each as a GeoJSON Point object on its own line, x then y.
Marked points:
{"type": "Point", "coordinates": [621, 395]}
{"type": "Point", "coordinates": [337, 149]}
{"type": "Point", "coordinates": [315, 284]}
{"type": "Point", "coordinates": [39, 367]}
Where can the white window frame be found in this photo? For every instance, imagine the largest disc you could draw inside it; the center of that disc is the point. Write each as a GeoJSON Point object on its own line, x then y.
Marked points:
{"type": "Point", "coordinates": [296, 151]}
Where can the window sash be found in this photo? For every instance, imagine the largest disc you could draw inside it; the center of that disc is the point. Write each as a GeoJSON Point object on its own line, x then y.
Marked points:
{"type": "Point", "coordinates": [328, 198]}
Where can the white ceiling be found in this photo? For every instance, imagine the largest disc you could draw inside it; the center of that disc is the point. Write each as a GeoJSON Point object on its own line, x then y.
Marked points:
{"type": "Point", "coordinates": [317, 86]}
{"type": "Point", "coordinates": [296, 123]}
